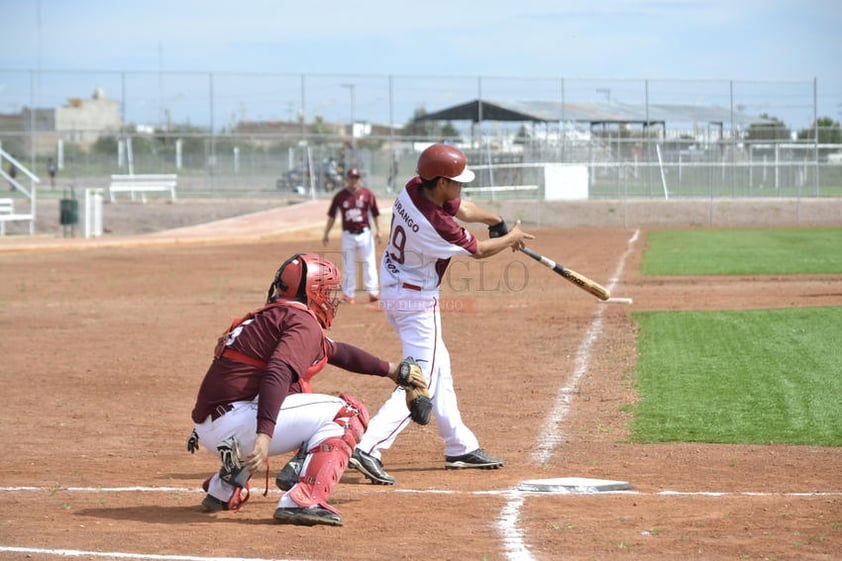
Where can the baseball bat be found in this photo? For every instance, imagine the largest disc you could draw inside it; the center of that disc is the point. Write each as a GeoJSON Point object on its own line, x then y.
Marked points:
{"type": "Point", "coordinates": [578, 279]}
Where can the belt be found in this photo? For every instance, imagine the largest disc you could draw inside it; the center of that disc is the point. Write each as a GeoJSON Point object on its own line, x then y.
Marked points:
{"type": "Point", "coordinates": [220, 410]}
{"type": "Point", "coordinates": [356, 232]}
{"type": "Point", "coordinates": [411, 286]}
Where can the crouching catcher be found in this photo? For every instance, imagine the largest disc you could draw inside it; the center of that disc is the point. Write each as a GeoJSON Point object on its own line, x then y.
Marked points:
{"type": "Point", "coordinates": [255, 400]}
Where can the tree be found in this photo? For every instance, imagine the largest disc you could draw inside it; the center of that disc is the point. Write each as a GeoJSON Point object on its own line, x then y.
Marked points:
{"type": "Point", "coordinates": [775, 130]}
{"type": "Point", "coordinates": [829, 131]}
{"type": "Point", "coordinates": [449, 132]}
{"type": "Point", "coordinates": [522, 136]}
{"type": "Point", "coordinates": [418, 127]}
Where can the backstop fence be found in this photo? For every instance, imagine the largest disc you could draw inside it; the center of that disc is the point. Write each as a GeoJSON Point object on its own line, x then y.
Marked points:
{"type": "Point", "coordinates": [238, 133]}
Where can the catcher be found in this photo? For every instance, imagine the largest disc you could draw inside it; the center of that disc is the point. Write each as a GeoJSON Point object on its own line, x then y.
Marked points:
{"type": "Point", "coordinates": [255, 400]}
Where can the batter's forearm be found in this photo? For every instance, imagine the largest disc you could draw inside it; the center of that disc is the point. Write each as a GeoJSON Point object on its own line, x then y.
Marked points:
{"type": "Point", "coordinates": [471, 212]}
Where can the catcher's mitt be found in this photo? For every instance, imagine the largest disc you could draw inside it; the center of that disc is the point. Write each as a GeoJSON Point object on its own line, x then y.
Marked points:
{"type": "Point", "coordinates": [411, 378]}
{"type": "Point", "coordinates": [420, 405]}
{"type": "Point", "coordinates": [409, 375]}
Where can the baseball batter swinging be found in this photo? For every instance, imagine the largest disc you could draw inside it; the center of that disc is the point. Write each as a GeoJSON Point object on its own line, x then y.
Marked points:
{"type": "Point", "coordinates": [254, 400]}
{"type": "Point", "coordinates": [424, 237]}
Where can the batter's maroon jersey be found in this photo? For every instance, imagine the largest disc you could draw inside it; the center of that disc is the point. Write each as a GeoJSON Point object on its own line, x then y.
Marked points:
{"type": "Point", "coordinates": [354, 207]}
{"type": "Point", "coordinates": [289, 341]}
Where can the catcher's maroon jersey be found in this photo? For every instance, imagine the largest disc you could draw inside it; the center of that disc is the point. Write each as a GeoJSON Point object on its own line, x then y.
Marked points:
{"type": "Point", "coordinates": [289, 341]}
{"type": "Point", "coordinates": [354, 208]}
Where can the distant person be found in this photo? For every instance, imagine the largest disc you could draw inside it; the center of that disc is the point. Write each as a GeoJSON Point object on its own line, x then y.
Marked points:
{"type": "Point", "coordinates": [13, 172]}
{"type": "Point", "coordinates": [51, 171]}
{"type": "Point", "coordinates": [393, 172]}
{"type": "Point", "coordinates": [358, 208]}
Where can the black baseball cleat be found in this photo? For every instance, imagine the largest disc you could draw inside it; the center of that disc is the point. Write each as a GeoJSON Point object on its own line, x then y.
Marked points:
{"type": "Point", "coordinates": [212, 504]}
{"type": "Point", "coordinates": [291, 472]}
{"type": "Point", "coordinates": [477, 459]}
{"type": "Point", "coordinates": [370, 467]}
{"type": "Point", "coordinates": [307, 516]}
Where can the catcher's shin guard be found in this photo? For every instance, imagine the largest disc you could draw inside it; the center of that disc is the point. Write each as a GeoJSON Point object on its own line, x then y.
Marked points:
{"type": "Point", "coordinates": [328, 460]}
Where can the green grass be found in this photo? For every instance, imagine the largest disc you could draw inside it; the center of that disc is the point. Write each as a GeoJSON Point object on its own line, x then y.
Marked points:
{"type": "Point", "coordinates": [778, 251]}
{"type": "Point", "coordinates": [749, 377]}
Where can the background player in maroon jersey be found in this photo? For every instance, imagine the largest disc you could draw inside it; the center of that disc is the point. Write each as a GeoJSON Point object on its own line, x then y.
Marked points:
{"type": "Point", "coordinates": [357, 206]}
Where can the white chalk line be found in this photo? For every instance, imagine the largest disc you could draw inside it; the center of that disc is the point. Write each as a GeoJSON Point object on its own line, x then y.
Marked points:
{"type": "Point", "coordinates": [513, 541]}
{"type": "Point", "coordinates": [490, 492]}
{"type": "Point", "coordinates": [551, 433]}
{"type": "Point", "coordinates": [122, 555]}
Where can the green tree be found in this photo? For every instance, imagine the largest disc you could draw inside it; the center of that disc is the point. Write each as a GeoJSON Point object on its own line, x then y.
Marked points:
{"type": "Point", "coordinates": [449, 132]}
{"type": "Point", "coordinates": [421, 128]}
{"type": "Point", "coordinates": [522, 136]}
{"type": "Point", "coordinates": [774, 130]}
{"type": "Point", "coordinates": [829, 131]}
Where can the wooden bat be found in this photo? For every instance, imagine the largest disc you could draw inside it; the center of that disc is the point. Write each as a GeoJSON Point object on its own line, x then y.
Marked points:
{"type": "Point", "coordinates": [578, 279]}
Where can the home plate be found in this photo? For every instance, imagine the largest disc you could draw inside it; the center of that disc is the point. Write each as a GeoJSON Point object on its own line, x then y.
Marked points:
{"type": "Point", "coordinates": [573, 485]}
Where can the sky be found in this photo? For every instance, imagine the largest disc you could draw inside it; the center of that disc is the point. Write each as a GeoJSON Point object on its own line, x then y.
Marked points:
{"type": "Point", "coordinates": [597, 48]}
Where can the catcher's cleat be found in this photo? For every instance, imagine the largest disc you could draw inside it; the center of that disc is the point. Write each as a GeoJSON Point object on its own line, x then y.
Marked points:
{"type": "Point", "coordinates": [370, 467]}
{"type": "Point", "coordinates": [238, 498]}
{"type": "Point", "coordinates": [307, 516]}
{"type": "Point", "coordinates": [477, 459]}
{"type": "Point", "coordinates": [212, 504]}
{"type": "Point", "coordinates": [291, 472]}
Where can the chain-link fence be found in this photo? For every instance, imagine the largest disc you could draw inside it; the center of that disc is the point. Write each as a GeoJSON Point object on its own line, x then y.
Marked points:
{"type": "Point", "coordinates": [237, 133]}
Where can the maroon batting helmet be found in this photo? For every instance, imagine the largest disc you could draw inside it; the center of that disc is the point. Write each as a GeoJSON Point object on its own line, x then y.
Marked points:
{"type": "Point", "coordinates": [444, 160]}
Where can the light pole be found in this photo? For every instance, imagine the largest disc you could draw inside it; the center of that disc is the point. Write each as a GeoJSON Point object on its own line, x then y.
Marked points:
{"type": "Point", "coordinates": [606, 92]}
{"type": "Point", "coordinates": [351, 94]}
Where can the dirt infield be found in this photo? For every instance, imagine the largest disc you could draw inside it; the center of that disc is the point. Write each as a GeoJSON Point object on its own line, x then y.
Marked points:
{"type": "Point", "coordinates": [105, 348]}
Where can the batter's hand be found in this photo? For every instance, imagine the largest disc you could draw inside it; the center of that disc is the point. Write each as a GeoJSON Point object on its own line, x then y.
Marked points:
{"type": "Point", "coordinates": [258, 456]}
{"type": "Point", "coordinates": [518, 237]}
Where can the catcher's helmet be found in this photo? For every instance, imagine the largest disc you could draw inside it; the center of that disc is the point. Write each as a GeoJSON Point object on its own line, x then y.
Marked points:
{"type": "Point", "coordinates": [312, 280]}
{"type": "Point", "coordinates": [444, 160]}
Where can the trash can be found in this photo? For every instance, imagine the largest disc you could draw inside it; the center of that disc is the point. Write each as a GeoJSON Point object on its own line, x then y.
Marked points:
{"type": "Point", "coordinates": [68, 215]}
{"type": "Point", "coordinates": [69, 212]}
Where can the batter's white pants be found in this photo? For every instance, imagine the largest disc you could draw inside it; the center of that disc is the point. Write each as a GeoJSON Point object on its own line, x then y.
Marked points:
{"type": "Point", "coordinates": [304, 418]}
{"type": "Point", "coordinates": [416, 317]}
{"type": "Point", "coordinates": [362, 245]}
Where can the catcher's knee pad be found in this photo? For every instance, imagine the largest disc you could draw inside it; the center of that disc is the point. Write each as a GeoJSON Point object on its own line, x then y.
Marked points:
{"type": "Point", "coordinates": [329, 459]}
{"type": "Point", "coordinates": [232, 471]}
{"type": "Point", "coordinates": [325, 467]}
{"type": "Point", "coordinates": [353, 415]}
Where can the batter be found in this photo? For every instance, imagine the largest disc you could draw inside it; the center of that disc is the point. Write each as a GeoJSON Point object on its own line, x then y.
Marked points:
{"type": "Point", "coordinates": [424, 237]}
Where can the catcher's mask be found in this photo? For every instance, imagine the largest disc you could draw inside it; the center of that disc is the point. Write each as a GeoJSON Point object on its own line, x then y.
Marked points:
{"type": "Point", "coordinates": [444, 160]}
{"type": "Point", "coordinates": [312, 280]}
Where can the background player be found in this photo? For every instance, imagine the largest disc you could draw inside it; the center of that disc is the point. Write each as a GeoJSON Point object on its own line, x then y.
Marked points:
{"type": "Point", "coordinates": [357, 206]}
{"type": "Point", "coordinates": [423, 238]}
{"type": "Point", "coordinates": [254, 397]}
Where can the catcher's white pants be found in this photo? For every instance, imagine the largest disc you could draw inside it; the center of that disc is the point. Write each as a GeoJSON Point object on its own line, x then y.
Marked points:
{"type": "Point", "coordinates": [362, 245]}
{"type": "Point", "coordinates": [416, 317]}
{"type": "Point", "coordinates": [304, 418]}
